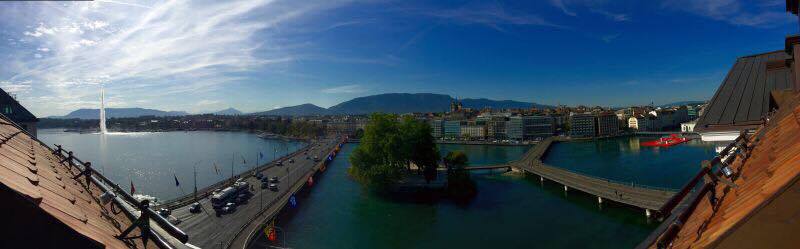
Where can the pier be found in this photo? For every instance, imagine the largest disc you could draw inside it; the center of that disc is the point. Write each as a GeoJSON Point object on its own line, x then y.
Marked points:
{"type": "Point", "coordinates": [645, 197]}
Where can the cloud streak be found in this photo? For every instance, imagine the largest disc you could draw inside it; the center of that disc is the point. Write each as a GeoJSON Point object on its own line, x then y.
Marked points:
{"type": "Point", "coordinates": [175, 47]}
{"type": "Point", "coordinates": [354, 88]}
{"type": "Point", "coordinates": [734, 12]}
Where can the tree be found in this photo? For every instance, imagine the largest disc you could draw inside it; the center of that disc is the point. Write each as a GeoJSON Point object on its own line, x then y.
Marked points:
{"type": "Point", "coordinates": [459, 183]}
{"type": "Point", "coordinates": [388, 148]}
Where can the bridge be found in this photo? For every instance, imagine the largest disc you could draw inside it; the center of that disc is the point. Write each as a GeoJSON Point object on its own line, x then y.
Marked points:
{"type": "Point", "coordinates": [645, 197]}
{"type": "Point", "coordinates": [206, 229]}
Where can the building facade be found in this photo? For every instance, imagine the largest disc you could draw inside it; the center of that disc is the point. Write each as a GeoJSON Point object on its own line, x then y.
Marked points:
{"type": "Point", "coordinates": [452, 129]}
{"type": "Point", "coordinates": [607, 124]}
{"type": "Point", "coordinates": [583, 125]}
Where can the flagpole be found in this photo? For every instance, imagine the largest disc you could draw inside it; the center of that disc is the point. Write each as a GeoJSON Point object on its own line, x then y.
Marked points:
{"type": "Point", "coordinates": [233, 157]}
{"type": "Point", "coordinates": [195, 182]}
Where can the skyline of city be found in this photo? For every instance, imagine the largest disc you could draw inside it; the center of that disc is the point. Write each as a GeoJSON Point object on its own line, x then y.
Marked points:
{"type": "Point", "coordinates": [256, 55]}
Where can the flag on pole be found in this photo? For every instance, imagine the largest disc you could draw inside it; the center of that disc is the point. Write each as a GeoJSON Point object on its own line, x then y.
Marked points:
{"type": "Point", "coordinates": [177, 184]}
{"type": "Point", "coordinates": [216, 169]}
{"type": "Point", "coordinates": [133, 189]}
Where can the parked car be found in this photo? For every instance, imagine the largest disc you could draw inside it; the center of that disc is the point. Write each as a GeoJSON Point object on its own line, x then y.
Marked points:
{"type": "Point", "coordinates": [291, 160]}
{"type": "Point", "coordinates": [195, 207]}
{"type": "Point", "coordinates": [259, 175]}
{"type": "Point", "coordinates": [264, 185]}
{"type": "Point", "coordinates": [273, 179]}
{"type": "Point", "coordinates": [279, 163]}
{"type": "Point", "coordinates": [273, 187]}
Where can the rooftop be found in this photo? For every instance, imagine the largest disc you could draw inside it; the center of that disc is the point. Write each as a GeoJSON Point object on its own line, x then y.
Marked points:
{"type": "Point", "coordinates": [744, 96]}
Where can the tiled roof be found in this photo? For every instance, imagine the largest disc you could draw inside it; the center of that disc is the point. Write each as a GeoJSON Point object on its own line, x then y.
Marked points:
{"type": "Point", "coordinates": [761, 212]}
{"type": "Point", "coordinates": [18, 113]}
{"type": "Point", "coordinates": [31, 170]}
{"type": "Point", "coordinates": [744, 96]}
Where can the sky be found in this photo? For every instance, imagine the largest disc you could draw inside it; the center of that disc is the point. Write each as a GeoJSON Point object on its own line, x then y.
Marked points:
{"type": "Point", "coordinates": [257, 55]}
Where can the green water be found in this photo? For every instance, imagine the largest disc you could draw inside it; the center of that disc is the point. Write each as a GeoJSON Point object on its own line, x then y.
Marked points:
{"type": "Point", "coordinates": [510, 210]}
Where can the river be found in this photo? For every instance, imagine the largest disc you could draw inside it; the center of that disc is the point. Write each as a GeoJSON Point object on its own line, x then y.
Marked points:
{"type": "Point", "coordinates": [510, 211]}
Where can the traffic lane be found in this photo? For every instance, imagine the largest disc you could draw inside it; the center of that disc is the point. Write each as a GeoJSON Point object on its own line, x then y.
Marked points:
{"type": "Point", "coordinates": [183, 212]}
{"type": "Point", "coordinates": [206, 229]}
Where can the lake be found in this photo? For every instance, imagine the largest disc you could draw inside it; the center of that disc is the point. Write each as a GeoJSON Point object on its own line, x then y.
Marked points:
{"type": "Point", "coordinates": [152, 160]}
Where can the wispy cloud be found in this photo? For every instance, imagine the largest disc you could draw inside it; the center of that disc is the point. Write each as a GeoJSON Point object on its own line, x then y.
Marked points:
{"type": "Point", "coordinates": [617, 17]}
{"type": "Point", "coordinates": [354, 88]}
{"type": "Point", "coordinates": [491, 15]}
{"type": "Point", "coordinates": [175, 46]}
{"type": "Point", "coordinates": [735, 12]}
{"type": "Point", "coordinates": [609, 38]}
{"type": "Point", "coordinates": [561, 5]}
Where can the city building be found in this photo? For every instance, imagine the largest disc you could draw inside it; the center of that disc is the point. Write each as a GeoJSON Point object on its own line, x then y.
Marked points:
{"type": "Point", "coordinates": [537, 127]}
{"type": "Point", "coordinates": [733, 108]}
{"type": "Point", "coordinates": [452, 129]}
{"type": "Point", "coordinates": [17, 113]}
{"type": "Point", "coordinates": [473, 131]}
{"type": "Point", "coordinates": [496, 129]}
{"type": "Point", "coordinates": [437, 128]}
{"type": "Point", "coordinates": [583, 125]}
{"type": "Point", "coordinates": [514, 128]}
{"type": "Point", "coordinates": [607, 124]}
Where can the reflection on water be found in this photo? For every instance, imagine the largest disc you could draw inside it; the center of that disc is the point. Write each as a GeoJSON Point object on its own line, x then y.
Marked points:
{"type": "Point", "coordinates": [624, 159]}
{"type": "Point", "coordinates": [150, 159]}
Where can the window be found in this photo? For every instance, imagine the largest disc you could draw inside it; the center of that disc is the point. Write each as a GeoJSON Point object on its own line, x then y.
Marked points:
{"type": "Point", "coordinates": [7, 109]}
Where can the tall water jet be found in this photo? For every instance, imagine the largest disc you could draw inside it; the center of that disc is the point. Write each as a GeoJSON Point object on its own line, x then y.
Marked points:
{"type": "Point", "coordinates": [102, 111]}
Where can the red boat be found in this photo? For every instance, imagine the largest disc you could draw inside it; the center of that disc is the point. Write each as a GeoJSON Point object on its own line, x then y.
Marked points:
{"type": "Point", "coordinates": [666, 141]}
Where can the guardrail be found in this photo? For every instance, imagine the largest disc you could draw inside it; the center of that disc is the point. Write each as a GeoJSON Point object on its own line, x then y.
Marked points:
{"type": "Point", "coordinates": [112, 193]}
{"type": "Point", "coordinates": [206, 191]}
{"type": "Point", "coordinates": [691, 195]}
{"type": "Point", "coordinates": [283, 198]}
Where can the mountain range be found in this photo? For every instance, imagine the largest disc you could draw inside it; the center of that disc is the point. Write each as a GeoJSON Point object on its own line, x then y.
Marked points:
{"type": "Point", "coordinates": [388, 102]}
{"type": "Point", "coordinates": [397, 103]}
{"type": "Point", "coordinates": [119, 113]}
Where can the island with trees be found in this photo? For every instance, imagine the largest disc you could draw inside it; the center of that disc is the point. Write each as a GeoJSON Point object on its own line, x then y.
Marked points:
{"type": "Point", "coordinates": [399, 152]}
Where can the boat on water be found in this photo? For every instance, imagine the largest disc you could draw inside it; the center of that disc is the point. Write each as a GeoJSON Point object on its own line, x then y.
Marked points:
{"type": "Point", "coordinates": [673, 139]}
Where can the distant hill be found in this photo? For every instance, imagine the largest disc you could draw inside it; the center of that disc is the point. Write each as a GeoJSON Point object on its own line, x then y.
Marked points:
{"type": "Point", "coordinates": [397, 103]}
{"type": "Point", "coordinates": [230, 111]}
{"type": "Point", "coordinates": [297, 110]}
{"type": "Point", "coordinates": [682, 103]}
{"type": "Point", "coordinates": [120, 113]}
{"type": "Point", "coordinates": [394, 103]}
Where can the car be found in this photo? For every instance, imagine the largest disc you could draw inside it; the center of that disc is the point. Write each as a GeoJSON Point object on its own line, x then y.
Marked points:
{"type": "Point", "coordinates": [164, 212]}
{"type": "Point", "coordinates": [229, 208]}
{"type": "Point", "coordinates": [291, 160]}
{"type": "Point", "coordinates": [195, 207]}
{"type": "Point", "coordinates": [273, 179]}
{"type": "Point", "coordinates": [264, 185]}
{"type": "Point", "coordinates": [273, 187]}
{"type": "Point", "coordinates": [259, 175]}
{"type": "Point", "coordinates": [279, 163]}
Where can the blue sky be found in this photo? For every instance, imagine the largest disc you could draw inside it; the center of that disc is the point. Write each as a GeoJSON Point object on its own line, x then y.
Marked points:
{"type": "Point", "coordinates": [257, 55]}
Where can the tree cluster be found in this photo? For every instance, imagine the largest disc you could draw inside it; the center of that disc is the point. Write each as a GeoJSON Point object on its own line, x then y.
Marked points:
{"type": "Point", "coordinates": [390, 145]}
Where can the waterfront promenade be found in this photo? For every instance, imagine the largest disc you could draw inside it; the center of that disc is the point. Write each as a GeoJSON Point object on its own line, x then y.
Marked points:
{"type": "Point", "coordinates": [207, 230]}
{"type": "Point", "coordinates": [645, 197]}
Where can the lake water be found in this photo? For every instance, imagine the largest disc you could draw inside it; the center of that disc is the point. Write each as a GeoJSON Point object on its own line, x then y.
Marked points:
{"type": "Point", "coordinates": [510, 210]}
{"type": "Point", "coordinates": [150, 159]}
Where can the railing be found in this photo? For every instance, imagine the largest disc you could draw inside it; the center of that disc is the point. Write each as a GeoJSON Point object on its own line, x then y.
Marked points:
{"type": "Point", "coordinates": [111, 193]}
{"type": "Point", "coordinates": [620, 182]}
{"type": "Point", "coordinates": [711, 176]}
